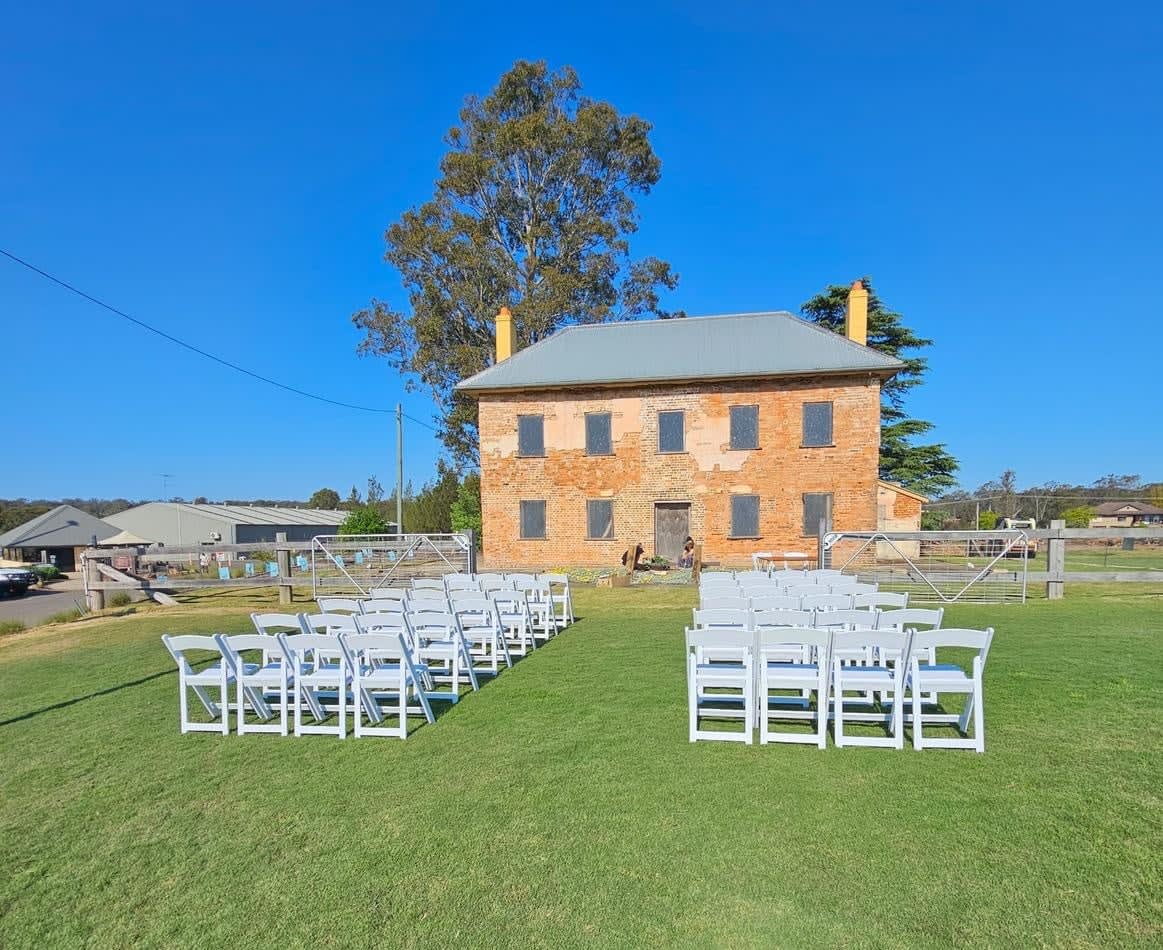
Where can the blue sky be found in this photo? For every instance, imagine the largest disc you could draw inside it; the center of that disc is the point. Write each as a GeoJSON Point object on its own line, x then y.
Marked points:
{"type": "Point", "coordinates": [227, 171]}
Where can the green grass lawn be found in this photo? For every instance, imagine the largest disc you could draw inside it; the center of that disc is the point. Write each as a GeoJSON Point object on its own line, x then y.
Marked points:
{"type": "Point", "coordinates": [562, 805]}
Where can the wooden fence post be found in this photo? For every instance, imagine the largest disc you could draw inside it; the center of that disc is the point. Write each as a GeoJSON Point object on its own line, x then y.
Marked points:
{"type": "Point", "coordinates": [697, 563]}
{"type": "Point", "coordinates": [1056, 562]}
{"type": "Point", "coordinates": [95, 597]}
{"type": "Point", "coordinates": [283, 559]}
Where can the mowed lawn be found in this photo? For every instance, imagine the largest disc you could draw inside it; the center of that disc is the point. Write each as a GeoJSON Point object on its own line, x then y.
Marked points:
{"type": "Point", "coordinates": [562, 805]}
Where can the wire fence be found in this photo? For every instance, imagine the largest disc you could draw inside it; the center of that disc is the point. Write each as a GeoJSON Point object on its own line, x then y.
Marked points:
{"type": "Point", "coordinates": [354, 564]}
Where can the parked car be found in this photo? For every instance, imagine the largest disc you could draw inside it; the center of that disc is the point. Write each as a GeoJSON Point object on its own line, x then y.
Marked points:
{"type": "Point", "coordinates": [15, 581]}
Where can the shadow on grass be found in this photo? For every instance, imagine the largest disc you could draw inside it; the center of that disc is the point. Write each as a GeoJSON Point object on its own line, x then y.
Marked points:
{"type": "Point", "coordinates": [65, 703]}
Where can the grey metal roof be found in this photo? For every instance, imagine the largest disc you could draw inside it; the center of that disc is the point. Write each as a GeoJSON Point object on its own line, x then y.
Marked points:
{"type": "Point", "coordinates": [731, 346]}
{"type": "Point", "coordinates": [62, 527]}
{"type": "Point", "coordinates": [249, 514]}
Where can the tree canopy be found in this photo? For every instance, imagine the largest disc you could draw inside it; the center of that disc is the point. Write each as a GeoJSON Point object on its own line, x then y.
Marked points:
{"type": "Point", "coordinates": [533, 210]}
{"type": "Point", "coordinates": [924, 468]}
{"type": "Point", "coordinates": [324, 498]}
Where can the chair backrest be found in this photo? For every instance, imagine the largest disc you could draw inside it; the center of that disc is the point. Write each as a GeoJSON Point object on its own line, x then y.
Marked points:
{"type": "Point", "coordinates": [848, 617]}
{"type": "Point", "coordinates": [232, 645]}
{"type": "Point", "coordinates": [428, 583]}
{"type": "Point", "coordinates": [509, 603]}
{"type": "Point", "coordinates": [299, 644]}
{"type": "Point", "coordinates": [388, 593]}
{"type": "Point", "coordinates": [880, 599]}
{"type": "Point", "coordinates": [378, 623]}
{"type": "Point", "coordinates": [428, 593]}
{"type": "Point", "coordinates": [802, 590]}
{"type": "Point", "coordinates": [789, 578]}
{"type": "Point", "coordinates": [889, 641]}
{"type": "Point", "coordinates": [480, 607]}
{"type": "Point", "coordinates": [720, 639]}
{"type": "Point", "coordinates": [329, 623]}
{"type": "Point", "coordinates": [774, 602]}
{"type": "Point", "coordinates": [753, 590]}
{"type": "Point", "coordinates": [456, 595]}
{"type": "Point", "coordinates": [717, 577]}
{"type": "Point", "coordinates": [338, 605]}
{"type": "Point", "coordinates": [554, 579]}
{"type": "Point", "coordinates": [270, 624]}
{"type": "Point", "coordinates": [460, 582]}
{"type": "Point", "coordinates": [826, 602]}
{"type": "Point", "coordinates": [711, 601]}
{"type": "Point", "coordinates": [851, 588]}
{"type": "Point", "coordinates": [782, 618]}
{"type": "Point", "coordinates": [962, 637]}
{"type": "Point", "coordinates": [780, 638]}
{"type": "Point", "coordinates": [433, 626]}
{"type": "Point", "coordinates": [490, 578]}
{"type": "Point", "coordinates": [500, 583]}
{"type": "Point", "coordinates": [911, 618]}
{"type": "Point", "coordinates": [751, 576]}
{"type": "Point", "coordinates": [824, 574]}
{"type": "Point", "coordinates": [723, 618]}
{"type": "Point", "coordinates": [181, 644]}
{"type": "Point", "coordinates": [371, 649]}
{"type": "Point", "coordinates": [383, 605]}
{"type": "Point", "coordinates": [521, 578]}
{"type": "Point", "coordinates": [428, 606]}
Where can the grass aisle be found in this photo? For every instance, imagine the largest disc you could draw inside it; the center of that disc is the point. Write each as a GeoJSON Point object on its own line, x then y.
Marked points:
{"type": "Point", "coordinates": [563, 805]}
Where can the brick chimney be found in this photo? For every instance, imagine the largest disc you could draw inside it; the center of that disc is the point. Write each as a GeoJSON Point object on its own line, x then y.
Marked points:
{"type": "Point", "coordinates": [856, 316]}
{"type": "Point", "coordinates": [505, 334]}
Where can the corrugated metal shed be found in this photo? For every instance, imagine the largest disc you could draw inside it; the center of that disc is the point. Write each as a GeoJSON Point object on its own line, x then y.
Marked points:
{"type": "Point", "coordinates": [168, 522]}
{"type": "Point", "coordinates": [732, 346]}
{"type": "Point", "coordinates": [62, 527]}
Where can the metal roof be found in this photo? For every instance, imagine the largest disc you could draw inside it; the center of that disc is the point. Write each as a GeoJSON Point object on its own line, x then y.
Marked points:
{"type": "Point", "coordinates": [1119, 507]}
{"type": "Point", "coordinates": [62, 527]}
{"type": "Point", "coordinates": [250, 514]}
{"type": "Point", "coordinates": [731, 346]}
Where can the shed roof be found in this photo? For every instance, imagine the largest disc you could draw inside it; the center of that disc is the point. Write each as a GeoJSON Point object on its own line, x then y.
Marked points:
{"type": "Point", "coordinates": [730, 346]}
{"type": "Point", "coordinates": [248, 514]}
{"type": "Point", "coordinates": [1127, 507]}
{"type": "Point", "coordinates": [62, 527]}
{"type": "Point", "coordinates": [901, 490]}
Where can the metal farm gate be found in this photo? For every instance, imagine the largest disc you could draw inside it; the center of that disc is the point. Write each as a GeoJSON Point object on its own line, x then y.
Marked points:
{"type": "Point", "coordinates": [938, 567]}
{"type": "Point", "coordinates": [352, 564]}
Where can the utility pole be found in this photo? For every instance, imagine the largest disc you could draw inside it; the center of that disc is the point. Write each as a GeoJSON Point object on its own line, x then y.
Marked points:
{"type": "Point", "coordinates": [399, 468]}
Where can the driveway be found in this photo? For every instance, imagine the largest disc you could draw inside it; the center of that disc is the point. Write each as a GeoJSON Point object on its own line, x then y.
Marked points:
{"type": "Point", "coordinates": [42, 602]}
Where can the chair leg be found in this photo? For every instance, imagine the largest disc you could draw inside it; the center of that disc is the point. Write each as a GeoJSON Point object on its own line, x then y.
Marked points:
{"type": "Point", "coordinates": [692, 700]}
{"type": "Point", "coordinates": [241, 730]}
{"type": "Point", "coordinates": [283, 706]}
{"type": "Point", "coordinates": [978, 716]}
{"type": "Point", "coordinates": [917, 727]}
{"type": "Point", "coordinates": [764, 689]}
{"type": "Point", "coordinates": [822, 710]}
{"type": "Point", "coordinates": [838, 704]}
{"type": "Point", "coordinates": [184, 706]}
{"type": "Point", "coordinates": [343, 709]}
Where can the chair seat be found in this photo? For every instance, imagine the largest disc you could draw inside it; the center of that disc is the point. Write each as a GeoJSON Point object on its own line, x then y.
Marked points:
{"type": "Point", "coordinates": [211, 675]}
{"type": "Point", "coordinates": [942, 676]}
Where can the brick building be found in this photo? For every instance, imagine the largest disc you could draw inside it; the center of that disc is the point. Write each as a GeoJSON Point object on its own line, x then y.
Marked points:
{"type": "Point", "coordinates": [741, 430]}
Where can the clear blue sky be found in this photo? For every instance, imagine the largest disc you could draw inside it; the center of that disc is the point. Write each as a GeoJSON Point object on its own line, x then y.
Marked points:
{"type": "Point", "coordinates": [227, 171]}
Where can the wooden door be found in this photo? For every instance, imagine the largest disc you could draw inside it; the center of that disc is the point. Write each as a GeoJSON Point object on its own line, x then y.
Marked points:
{"type": "Point", "coordinates": [672, 524]}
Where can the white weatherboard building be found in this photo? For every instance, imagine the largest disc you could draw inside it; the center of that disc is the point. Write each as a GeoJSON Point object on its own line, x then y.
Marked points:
{"type": "Point", "coordinates": [177, 523]}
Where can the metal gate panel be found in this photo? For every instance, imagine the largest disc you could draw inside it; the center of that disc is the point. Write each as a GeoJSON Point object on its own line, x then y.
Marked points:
{"type": "Point", "coordinates": [352, 564]}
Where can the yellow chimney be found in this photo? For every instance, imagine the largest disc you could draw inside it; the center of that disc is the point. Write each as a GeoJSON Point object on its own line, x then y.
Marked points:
{"type": "Point", "coordinates": [504, 334]}
{"type": "Point", "coordinates": [856, 316]}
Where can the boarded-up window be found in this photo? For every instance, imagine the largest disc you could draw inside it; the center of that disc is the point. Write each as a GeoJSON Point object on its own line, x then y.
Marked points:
{"type": "Point", "coordinates": [671, 431]}
{"type": "Point", "coordinates": [817, 423]}
{"type": "Point", "coordinates": [744, 427]}
{"type": "Point", "coordinates": [817, 505]}
{"type": "Point", "coordinates": [600, 518]}
{"type": "Point", "coordinates": [744, 516]}
{"type": "Point", "coordinates": [598, 438]}
{"type": "Point", "coordinates": [532, 519]}
{"type": "Point", "coordinates": [530, 435]}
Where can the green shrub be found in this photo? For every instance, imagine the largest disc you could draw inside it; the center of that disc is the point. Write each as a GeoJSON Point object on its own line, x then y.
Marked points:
{"type": "Point", "coordinates": [987, 521]}
{"type": "Point", "coordinates": [120, 599]}
{"type": "Point", "coordinates": [262, 555]}
{"type": "Point", "coordinates": [11, 626]}
{"type": "Point", "coordinates": [364, 520]}
{"type": "Point", "coordinates": [1078, 516]}
{"type": "Point", "coordinates": [47, 572]}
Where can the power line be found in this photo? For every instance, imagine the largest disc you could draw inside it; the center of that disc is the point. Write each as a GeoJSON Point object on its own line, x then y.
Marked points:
{"type": "Point", "coordinates": [189, 346]}
{"type": "Point", "coordinates": [420, 423]}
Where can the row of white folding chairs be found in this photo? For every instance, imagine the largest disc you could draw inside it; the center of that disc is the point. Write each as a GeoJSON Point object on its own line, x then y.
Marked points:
{"type": "Point", "coordinates": [788, 601]}
{"type": "Point", "coordinates": [821, 576]}
{"type": "Point", "coordinates": [552, 587]}
{"type": "Point", "coordinates": [735, 618]}
{"type": "Point", "coordinates": [543, 618]}
{"type": "Point", "coordinates": [844, 585]}
{"type": "Point", "coordinates": [798, 662]}
{"type": "Point", "coordinates": [466, 642]}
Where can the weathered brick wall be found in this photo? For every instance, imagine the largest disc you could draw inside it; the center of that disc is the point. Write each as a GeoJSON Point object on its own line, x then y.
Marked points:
{"type": "Point", "coordinates": [706, 474]}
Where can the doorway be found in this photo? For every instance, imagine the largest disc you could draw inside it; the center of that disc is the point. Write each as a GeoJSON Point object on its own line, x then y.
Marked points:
{"type": "Point", "coordinates": [672, 524]}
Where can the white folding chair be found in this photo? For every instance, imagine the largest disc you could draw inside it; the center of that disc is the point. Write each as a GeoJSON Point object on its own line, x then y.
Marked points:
{"type": "Point", "coordinates": [254, 680]}
{"type": "Point", "coordinates": [937, 678]}
{"type": "Point", "coordinates": [481, 628]}
{"type": "Point", "coordinates": [383, 605]}
{"type": "Point", "coordinates": [824, 602]}
{"type": "Point", "coordinates": [460, 582]}
{"type": "Point", "coordinates": [824, 575]}
{"type": "Point", "coordinates": [915, 619]}
{"type": "Point", "coordinates": [753, 576]}
{"type": "Point", "coordinates": [442, 648]}
{"type": "Point", "coordinates": [383, 669]}
{"type": "Point", "coordinates": [201, 680]}
{"type": "Point", "coordinates": [516, 621]}
{"type": "Point", "coordinates": [723, 690]}
{"type": "Point", "coordinates": [723, 618]}
{"type": "Point", "coordinates": [312, 682]}
{"type": "Point", "coordinates": [802, 590]}
{"type": "Point", "coordinates": [338, 605]}
{"type": "Point", "coordinates": [717, 579]}
{"type": "Point", "coordinates": [781, 617]}
{"type": "Point", "coordinates": [851, 588]}
{"type": "Point", "coordinates": [866, 678]}
{"type": "Point", "coordinates": [562, 597]}
{"type": "Point", "coordinates": [793, 659]}
{"type": "Point", "coordinates": [438, 594]}
{"type": "Point", "coordinates": [724, 602]}
{"type": "Point", "coordinates": [428, 583]}
{"type": "Point", "coordinates": [880, 599]}
{"type": "Point", "coordinates": [539, 597]}
{"type": "Point", "coordinates": [775, 602]}
{"type": "Point", "coordinates": [520, 578]}
{"type": "Point", "coordinates": [846, 618]}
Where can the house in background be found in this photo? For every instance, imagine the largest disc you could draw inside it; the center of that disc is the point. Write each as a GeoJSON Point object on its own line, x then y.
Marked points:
{"type": "Point", "coordinates": [178, 523]}
{"type": "Point", "coordinates": [743, 431]}
{"type": "Point", "coordinates": [55, 537]}
{"type": "Point", "coordinates": [1126, 514]}
{"type": "Point", "coordinates": [897, 509]}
